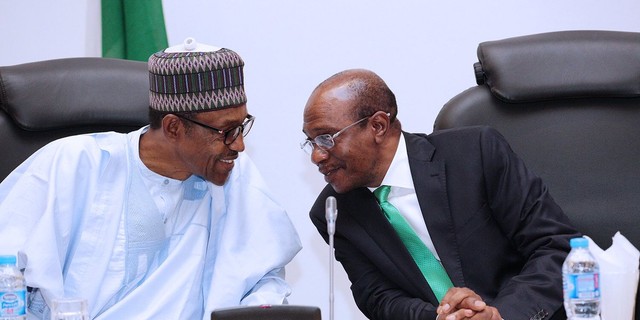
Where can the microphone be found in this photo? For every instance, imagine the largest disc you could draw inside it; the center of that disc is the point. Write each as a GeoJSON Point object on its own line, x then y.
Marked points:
{"type": "Point", "coordinates": [331, 213]}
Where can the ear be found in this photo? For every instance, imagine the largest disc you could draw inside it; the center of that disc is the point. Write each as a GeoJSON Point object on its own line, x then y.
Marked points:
{"type": "Point", "coordinates": [380, 123]}
{"type": "Point", "coordinates": [172, 127]}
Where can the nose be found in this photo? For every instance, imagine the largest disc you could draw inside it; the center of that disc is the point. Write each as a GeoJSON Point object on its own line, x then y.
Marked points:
{"type": "Point", "coordinates": [237, 144]}
{"type": "Point", "coordinates": [318, 155]}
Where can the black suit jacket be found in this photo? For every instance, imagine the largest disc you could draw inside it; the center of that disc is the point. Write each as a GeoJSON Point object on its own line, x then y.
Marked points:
{"type": "Point", "coordinates": [495, 227]}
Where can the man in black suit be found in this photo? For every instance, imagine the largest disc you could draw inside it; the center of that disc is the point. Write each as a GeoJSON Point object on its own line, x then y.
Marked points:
{"type": "Point", "coordinates": [485, 218]}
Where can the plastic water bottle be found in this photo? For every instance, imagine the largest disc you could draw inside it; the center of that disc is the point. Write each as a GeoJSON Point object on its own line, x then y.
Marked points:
{"type": "Point", "coordinates": [13, 291]}
{"type": "Point", "coordinates": [581, 282]}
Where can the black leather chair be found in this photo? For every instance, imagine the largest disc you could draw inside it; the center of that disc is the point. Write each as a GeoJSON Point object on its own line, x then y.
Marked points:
{"type": "Point", "coordinates": [45, 100]}
{"type": "Point", "coordinates": [569, 104]}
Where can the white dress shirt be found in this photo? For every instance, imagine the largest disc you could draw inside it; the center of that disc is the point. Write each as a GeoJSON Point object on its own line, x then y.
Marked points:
{"type": "Point", "coordinates": [403, 194]}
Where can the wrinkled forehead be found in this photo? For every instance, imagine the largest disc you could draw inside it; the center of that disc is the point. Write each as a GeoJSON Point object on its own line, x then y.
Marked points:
{"type": "Point", "coordinates": [327, 113]}
{"type": "Point", "coordinates": [225, 117]}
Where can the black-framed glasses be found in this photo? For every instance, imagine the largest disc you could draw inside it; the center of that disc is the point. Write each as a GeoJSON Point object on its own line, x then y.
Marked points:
{"type": "Point", "coordinates": [229, 135]}
{"type": "Point", "coordinates": [327, 141]}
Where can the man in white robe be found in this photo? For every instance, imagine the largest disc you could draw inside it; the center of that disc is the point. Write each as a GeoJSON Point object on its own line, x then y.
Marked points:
{"type": "Point", "coordinates": [167, 222]}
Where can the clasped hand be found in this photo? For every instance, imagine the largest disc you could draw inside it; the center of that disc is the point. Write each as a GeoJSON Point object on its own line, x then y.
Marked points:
{"type": "Point", "coordinates": [463, 303]}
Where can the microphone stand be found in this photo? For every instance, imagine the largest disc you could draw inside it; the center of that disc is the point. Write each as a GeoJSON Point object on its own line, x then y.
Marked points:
{"type": "Point", "coordinates": [331, 213]}
{"type": "Point", "coordinates": [331, 258]}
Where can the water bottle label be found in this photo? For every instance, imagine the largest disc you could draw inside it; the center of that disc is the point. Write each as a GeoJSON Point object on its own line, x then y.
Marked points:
{"type": "Point", "coordinates": [583, 286]}
{"type": "Point", "coordinates": [12, 303]}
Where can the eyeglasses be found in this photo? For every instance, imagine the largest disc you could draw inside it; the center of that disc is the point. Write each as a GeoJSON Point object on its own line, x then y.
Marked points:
{"type": "Point", "coordinates": [327, 141]}
{"type": "Point", "coordinates": [230, 135]}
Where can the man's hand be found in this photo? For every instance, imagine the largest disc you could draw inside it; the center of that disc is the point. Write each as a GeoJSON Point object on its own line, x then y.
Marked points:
{"type": "Point", "coordinates": [463, 303]}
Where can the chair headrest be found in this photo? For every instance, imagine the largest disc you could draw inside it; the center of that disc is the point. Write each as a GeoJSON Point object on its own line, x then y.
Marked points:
{"type": "Point", "coordinates": [565, 64]}
{"type": "Point", "coordinates": [69, 92]}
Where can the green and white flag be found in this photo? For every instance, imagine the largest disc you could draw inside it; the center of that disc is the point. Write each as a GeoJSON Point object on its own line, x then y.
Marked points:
{"type": "Point", "coordinates": [132, 29]}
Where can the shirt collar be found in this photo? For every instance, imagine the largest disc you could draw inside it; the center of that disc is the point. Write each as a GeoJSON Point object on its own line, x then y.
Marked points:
{"type": "Point", "coordinates": [399, 173]}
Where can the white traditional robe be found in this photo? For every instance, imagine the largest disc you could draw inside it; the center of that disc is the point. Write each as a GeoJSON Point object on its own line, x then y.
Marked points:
{"type": "Point", "coordinates": [79, 216]}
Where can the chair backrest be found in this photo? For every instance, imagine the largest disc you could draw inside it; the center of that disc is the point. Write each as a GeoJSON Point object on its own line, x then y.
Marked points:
{"type": "Point", "coordinates": [268, 312]}
{"type": "Point", "coordinates": [569, 104]}
{"type": "Point", "coordinates": [46, 100]}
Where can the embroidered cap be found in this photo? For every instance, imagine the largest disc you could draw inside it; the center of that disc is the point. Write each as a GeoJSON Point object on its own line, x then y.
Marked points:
{"type": "Point", "coordinates": [195, 77]}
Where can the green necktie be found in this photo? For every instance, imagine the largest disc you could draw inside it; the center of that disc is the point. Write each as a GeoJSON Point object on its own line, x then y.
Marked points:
{"type": "Point", "coordinates": [431, 268]}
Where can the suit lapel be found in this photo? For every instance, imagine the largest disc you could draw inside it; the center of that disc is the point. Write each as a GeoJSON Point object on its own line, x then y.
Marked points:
{"type": "Point", "coordinates": [430, 182]}
{"type": "Point", "coordinates": [366, 211]}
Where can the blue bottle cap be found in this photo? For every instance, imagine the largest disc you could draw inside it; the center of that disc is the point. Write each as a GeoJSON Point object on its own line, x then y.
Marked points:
{"type": "Point", "coordinates": [581, 242]}
{"type": "Point", "coordinates": [7, 259]}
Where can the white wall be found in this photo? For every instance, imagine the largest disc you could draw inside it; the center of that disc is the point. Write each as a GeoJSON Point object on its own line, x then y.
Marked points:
{"type": "Point", "coordinates": [424, 50]}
